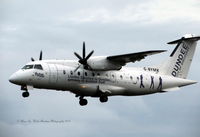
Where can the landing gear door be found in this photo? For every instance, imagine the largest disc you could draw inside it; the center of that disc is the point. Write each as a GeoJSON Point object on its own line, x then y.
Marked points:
{"type": "Point", "coordinates": [53, 75]}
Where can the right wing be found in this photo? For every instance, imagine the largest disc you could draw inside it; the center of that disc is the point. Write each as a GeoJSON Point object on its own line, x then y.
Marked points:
{"type": "Point", "coordinates": [132, 57]}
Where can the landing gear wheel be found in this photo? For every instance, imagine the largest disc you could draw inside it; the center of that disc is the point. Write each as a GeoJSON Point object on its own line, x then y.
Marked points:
{"type": "Point", "coordinates": [25, 94]}
{"type": "Point", "coordinates": [83, 102]}
{"type": "Point", "coordinates": [103, 99]}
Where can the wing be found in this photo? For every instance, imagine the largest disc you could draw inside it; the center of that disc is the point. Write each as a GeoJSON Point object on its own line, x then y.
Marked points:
{"type": "Point", "coordinates": [132, 57]}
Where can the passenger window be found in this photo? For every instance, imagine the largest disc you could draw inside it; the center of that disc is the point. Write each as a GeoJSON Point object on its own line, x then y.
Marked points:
{"type": "Point", "coordinates": [93, 74]}
{"type": "Point", "coordinates": [79, 73]}
{"type": "Point", "coordinates": [28, 67]}
{"type": "Point", "coordinates": [85, 73]}
{"type": "Point", "coordinates": [38, 66]}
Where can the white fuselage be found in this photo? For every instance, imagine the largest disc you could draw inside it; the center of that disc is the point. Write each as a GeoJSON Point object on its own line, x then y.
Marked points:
{"type": "Point", "coordinates": [103, 76]}
{"type": "Point", "coordinates": [60, 75]}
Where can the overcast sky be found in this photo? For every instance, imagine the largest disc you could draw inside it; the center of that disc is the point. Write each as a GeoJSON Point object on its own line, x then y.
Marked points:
{"type": "Point", "coordinates": [58, 27]}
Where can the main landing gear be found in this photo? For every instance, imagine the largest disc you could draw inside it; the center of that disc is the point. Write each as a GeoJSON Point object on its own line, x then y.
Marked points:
{"type": "Point", "coordinates": [103, 99]}
{"type": "Point", "coordinates": [84, 102]}
{"type": "Point", "coordinates": [25, 94]}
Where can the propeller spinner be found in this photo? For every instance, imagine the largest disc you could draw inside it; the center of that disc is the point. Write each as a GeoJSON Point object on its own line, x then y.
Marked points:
{"type": "Point", "coordinates": [83, 60]}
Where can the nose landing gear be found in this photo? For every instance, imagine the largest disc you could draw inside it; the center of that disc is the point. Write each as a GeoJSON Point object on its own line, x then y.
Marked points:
{"type": "Point", "coordinates": [25, 93]}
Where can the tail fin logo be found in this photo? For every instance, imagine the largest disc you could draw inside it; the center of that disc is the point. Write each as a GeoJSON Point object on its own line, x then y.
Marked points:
{"type": "Point", "coordinates": [180, 59]}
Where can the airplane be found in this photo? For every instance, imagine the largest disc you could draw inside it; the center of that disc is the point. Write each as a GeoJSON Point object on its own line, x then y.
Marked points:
{"type": "Point", "coordinates": [105, 76]}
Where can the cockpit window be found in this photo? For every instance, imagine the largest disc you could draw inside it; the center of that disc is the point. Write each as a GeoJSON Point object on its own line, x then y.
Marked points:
{"type": "Point", "coordinates": [38, 66]}
{"type": "Point", "coordinates": [28, 67]}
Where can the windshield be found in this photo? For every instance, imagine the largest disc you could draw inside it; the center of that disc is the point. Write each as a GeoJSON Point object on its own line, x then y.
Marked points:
{"type": "Point", "coordinates": [35, 66]}
{"type": "Point", "coordinates": [38, 66]}
{"type": "Point", "coordinates": [28, 67]}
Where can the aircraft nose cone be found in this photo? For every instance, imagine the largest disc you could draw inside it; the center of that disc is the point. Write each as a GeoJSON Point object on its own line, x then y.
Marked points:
{"type": "Point", "coordinates": [13, 79]}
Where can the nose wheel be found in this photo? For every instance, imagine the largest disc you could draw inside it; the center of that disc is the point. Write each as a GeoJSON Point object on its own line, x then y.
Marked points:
{"type": "Point", "coordinates": [25, 94]}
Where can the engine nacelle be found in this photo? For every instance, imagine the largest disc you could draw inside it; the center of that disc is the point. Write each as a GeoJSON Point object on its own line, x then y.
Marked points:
{"type": "Point", "coordinates": [102, 63]}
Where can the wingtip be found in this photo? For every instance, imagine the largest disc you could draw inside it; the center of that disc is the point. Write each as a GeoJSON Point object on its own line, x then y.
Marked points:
{"type": "Point", "coordinates": [164, 51]}
{"type": "Point", "coordinates": [160, 51]}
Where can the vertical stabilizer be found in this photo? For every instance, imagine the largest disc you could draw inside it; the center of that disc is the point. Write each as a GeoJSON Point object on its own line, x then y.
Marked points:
{"type": "Point", "coordinates": [180, 59]}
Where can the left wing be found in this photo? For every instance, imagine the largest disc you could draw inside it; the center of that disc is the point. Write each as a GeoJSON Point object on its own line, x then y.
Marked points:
{"type": "Point", "coordinates": [132, 57]}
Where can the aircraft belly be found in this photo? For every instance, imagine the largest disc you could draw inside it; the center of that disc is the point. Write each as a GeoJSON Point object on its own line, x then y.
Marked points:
{"type": "Point", "coordinates": [96, 90]}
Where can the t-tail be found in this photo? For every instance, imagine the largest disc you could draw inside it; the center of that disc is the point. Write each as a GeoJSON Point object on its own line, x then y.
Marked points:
{"type": "Point", "coordinates": [179, 62]}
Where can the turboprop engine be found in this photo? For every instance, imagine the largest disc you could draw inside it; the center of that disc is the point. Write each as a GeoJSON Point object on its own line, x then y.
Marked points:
{"type": "Point", "coordinates": [102, 63]}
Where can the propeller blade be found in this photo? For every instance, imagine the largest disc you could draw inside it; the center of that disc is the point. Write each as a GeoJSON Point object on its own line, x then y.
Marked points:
{"type": "Point", "coordinates": [83, 59]}
{"type": "Point", "coordinates": [77, 68]}
{"type": "Point", "coordinates": [40, 58]}
{"type": "Point", "coordinates": [78, 56]}
{"type": "Point", "coordinates": [83, 49]}
{"type": "Point", "coordinates": [32, 59]}
{"type": "Point", "coordinates": [89, 55]}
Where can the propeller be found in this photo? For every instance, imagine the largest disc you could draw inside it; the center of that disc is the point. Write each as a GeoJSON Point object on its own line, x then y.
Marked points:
{"type": "Point", "coordinates": [83, 60]}
{"type": "Point", "coordinates": [40, 57]}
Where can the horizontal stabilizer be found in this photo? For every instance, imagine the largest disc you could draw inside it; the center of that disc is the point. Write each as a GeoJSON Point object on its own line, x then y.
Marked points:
{"type": "Point", "coordinates": [186, 37]}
